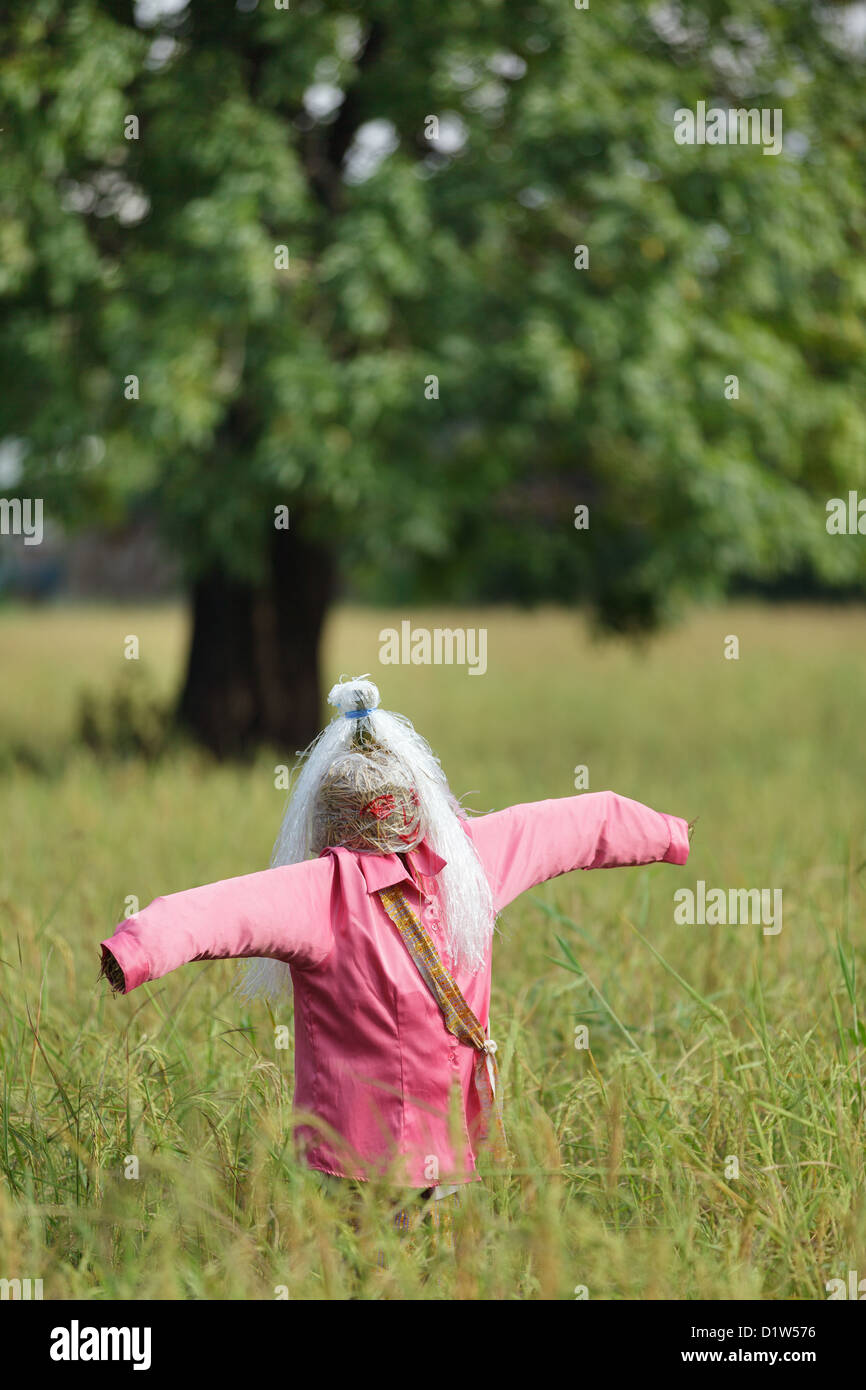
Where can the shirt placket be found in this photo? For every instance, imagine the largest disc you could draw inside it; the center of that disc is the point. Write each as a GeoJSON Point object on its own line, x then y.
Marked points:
{"type": "Point", "coordinates": [430, 914]}
{"type": "Point", "coordinates": [431, 917]}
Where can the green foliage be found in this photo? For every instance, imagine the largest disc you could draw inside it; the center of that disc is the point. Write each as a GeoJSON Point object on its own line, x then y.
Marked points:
{"type": "Point", "coordinates": [557, 386]}
{"type": "Point", "coordinates": [127, 721]}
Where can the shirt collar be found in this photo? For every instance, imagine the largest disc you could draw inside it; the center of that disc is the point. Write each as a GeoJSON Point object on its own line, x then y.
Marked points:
{"type": "Point", "coordinates": [384, 870]}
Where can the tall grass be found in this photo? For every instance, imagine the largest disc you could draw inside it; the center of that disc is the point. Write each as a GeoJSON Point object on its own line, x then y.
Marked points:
{"type": "Point", "coordinates": [707, 1144]}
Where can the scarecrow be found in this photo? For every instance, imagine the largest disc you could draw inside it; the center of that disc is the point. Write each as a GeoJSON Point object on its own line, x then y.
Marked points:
{"type": "Point", "coordinates": [378, 914]}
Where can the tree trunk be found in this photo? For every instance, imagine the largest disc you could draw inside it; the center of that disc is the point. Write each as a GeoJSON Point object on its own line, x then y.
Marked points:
{"type": "Point", "coordinates": [252, 674]}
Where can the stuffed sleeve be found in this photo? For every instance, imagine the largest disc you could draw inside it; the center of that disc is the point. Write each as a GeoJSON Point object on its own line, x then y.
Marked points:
{"type": "Point", "coordinates": [528, 844]}
{"type": "Point", "coordinates": [281, 913]}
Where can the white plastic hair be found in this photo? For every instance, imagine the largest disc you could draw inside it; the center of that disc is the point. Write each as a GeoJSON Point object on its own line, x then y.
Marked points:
{"type": "Point", "coordinates": [464, 892]}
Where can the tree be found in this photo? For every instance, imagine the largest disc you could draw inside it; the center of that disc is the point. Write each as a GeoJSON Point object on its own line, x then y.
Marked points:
{"type": "Point", "coordinates": [320, 266]}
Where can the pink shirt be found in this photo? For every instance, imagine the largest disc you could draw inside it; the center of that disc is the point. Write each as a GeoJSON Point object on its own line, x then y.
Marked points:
{"type": "Point", "coordinates": [375, 1066]}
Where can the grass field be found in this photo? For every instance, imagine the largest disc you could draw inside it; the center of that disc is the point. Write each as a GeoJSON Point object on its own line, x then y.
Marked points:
{"type": "Point", "coordinates": [707, 1043]}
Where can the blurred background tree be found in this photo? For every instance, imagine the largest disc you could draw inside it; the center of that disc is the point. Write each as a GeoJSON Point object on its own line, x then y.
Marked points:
{"type": "Point", "coordinates": [303, 378]}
